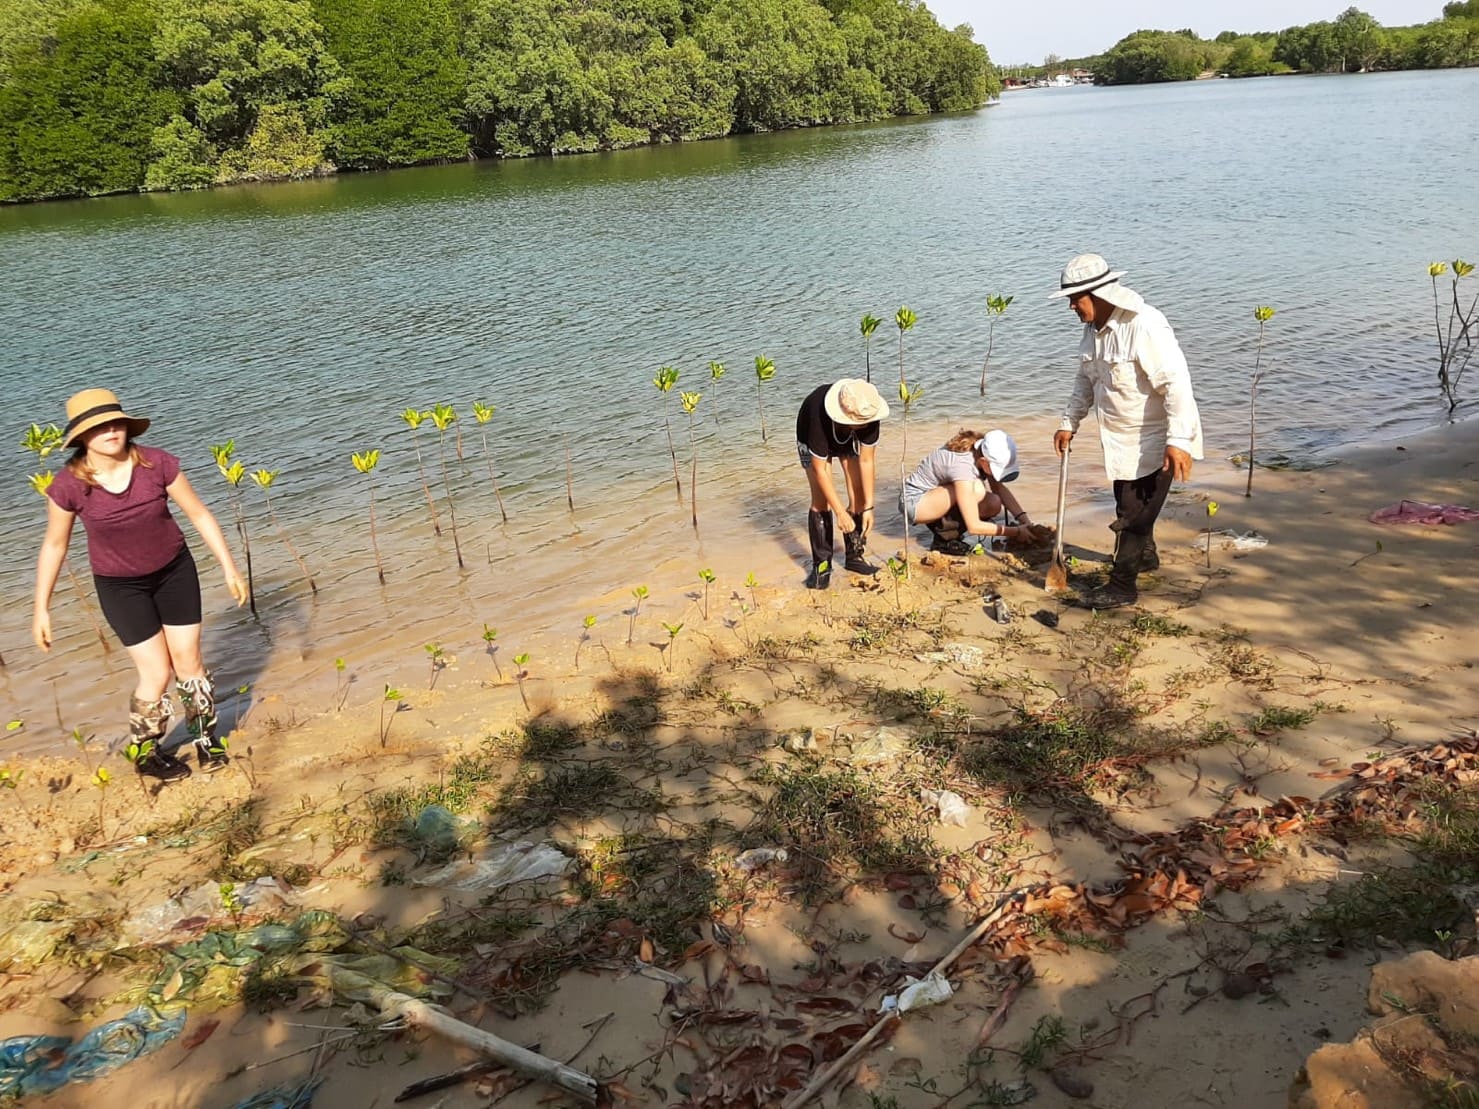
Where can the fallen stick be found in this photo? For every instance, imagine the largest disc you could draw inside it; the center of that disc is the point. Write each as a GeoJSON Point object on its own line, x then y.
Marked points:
{"type": "Point", "coordinates": [820, 1082]}
{"type": "Point", "coordinates": [998, 1015]}
{"type": "Point", "coordinates": [451, 1078]}
{"type": "Point", "coordinates": [418, 1014]}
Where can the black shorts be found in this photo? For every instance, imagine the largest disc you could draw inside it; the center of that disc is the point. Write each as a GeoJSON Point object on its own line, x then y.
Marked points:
{"type": "Point", "coordinates": [137, 608]}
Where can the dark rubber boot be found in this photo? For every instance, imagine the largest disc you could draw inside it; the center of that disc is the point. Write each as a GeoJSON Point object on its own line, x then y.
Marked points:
{"type": "Point", "coordinates": [856, 543]}
{"type": "Point", "coordinates": [199, 698]}
{"type": "Point", "coordinates": [1121, 589]}
{"type": "Point", "coordinates": [1150, 558]}
{"type": "Point", "coordinates": [819, 531]}
{"type": "Point", "coordinates": [147, 723]}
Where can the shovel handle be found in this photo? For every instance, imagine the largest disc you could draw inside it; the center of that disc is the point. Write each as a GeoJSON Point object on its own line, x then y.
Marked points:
{"type": "Point", "coordinates": [1062, 500]}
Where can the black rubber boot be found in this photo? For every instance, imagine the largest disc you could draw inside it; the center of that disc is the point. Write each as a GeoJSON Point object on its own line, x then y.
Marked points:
{"type": "Point", "coordinates": [855, 543]}
{"type": "Point", "coordinates": [819, 530]}
{"type": "Point", "coordinates": [147, 723]}
{"type": "Point", "coordinates": [199, 698]}
{"type": "Point", "coordinates": [949, 532]}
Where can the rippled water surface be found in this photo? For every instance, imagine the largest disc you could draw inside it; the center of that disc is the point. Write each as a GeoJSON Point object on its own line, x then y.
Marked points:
{"type": "Point", "coordinates": [300, 319]}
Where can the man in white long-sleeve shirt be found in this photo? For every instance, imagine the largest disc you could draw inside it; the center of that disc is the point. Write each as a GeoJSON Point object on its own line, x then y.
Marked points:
{"type": "Point", "coordinates": [1134, 377]}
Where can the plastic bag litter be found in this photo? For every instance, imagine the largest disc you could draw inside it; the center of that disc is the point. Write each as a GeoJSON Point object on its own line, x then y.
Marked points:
{"type": "Point", "coordinates": [41, 1064]}
{"type": "Point", "coordinates": [950, 805]}
{"type": "Point", "coordinates": [205, 902]}
{"type": "Point", "coordinates": [298, 1095]}
{"type": "Point", "coordinates": [758, 857]}
{"type": "Point", "coordinates": [28, 944]}
{"type": "Point", "coordinates": [1231, 541]}
{"type": "Point", "coordinates": [438, 831]}
{"type": "Point", "coordinates": [513, 862]}
{"type": "Point", "coordinates": [918, 993]}
{"type": "Point", "coordinates": [879, 746]}
{"type": "Point", "coordinates": [965, 655]}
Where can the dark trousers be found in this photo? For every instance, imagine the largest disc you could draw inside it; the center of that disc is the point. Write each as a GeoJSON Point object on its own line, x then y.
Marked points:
{"type": "Point", "coordinates": [1136, 505]}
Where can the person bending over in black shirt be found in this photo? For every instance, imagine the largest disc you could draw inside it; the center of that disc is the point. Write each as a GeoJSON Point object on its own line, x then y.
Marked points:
{"type": "Point", "coordinates": [839, 421]}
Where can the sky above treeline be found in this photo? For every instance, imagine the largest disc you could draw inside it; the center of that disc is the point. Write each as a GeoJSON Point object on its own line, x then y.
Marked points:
{"type": "Point", "coordinates": [1018, 33]}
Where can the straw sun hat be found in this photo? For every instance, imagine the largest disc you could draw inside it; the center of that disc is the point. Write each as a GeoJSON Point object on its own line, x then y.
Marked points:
{"type": "Point", "coordinates": [854, 402]}
{"type": "Point", "coordinates": [1090, 273]}
{"type": "Point", "coordinates": [92, 407]}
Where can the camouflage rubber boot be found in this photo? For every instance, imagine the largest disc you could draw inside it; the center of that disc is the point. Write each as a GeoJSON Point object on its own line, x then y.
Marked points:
{"type": "Point", "coordinates": [199, 698]}
{"type": "Point", "coordinates": [147, 723]}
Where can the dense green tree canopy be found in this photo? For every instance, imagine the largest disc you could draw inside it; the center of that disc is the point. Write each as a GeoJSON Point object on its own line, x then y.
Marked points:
{"type": "Point", "coordinates": [207, 91]}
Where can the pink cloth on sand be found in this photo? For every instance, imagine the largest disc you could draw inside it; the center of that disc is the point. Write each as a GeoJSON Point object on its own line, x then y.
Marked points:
{"type": "Point", "coordinates": [1420, 512]}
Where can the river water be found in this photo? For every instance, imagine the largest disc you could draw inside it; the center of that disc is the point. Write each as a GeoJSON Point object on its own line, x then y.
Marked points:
{"type": "Point", "coordinates": [300, 319]}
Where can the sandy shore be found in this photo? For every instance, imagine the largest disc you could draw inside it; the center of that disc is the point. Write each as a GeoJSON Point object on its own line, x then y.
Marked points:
{"type": "Point", "coordinates": [651, 766]}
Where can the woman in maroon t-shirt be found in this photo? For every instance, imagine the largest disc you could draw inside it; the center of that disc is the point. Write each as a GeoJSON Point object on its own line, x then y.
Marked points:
{"type": "Point", "coordinates": [145, 575]}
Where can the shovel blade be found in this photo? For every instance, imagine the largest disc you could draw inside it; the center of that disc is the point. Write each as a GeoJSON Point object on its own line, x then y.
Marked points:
{"type": "Point", "coordinates": [1057, 580]}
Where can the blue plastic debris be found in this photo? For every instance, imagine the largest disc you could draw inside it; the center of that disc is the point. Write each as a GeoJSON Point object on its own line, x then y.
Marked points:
{"type": "Point", "coordinates": [299, 1096]}
{"type": "Point", "coordinates": [41, 1064]}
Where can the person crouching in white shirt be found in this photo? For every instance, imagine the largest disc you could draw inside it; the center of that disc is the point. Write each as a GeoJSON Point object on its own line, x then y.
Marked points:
{"type": "Point", "coordinates": [1133, 376]}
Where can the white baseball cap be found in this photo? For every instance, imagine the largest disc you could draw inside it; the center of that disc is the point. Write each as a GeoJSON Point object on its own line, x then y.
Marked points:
{"type": "Point", "coordinates": [1000, 452]}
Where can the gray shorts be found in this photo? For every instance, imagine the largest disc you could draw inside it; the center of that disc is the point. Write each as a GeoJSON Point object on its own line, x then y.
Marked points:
{"type": "Point", "coordinates": [908, 504]}
{"type": "Point", "coordinates": [803, 453]}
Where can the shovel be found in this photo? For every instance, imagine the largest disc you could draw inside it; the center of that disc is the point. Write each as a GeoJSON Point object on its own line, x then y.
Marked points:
{"type": "Point", "coordinates": [1057, 579]}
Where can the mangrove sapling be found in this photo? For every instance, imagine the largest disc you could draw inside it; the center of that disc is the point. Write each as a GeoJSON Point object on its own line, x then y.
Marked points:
{"type": "Point", "coordinates": [904, 319]}
{"type": "Point", "coordinates": [764, 371]}
{"type": "Point", "coordinates": [365, 462]}
{"type": "Point", "coordinates": [1454, 350]}
{"type": "Point", "coordinates": [41, 483]}
{"type": "Point", "coordinates": [997, 306]}
{"type": "Point", "coordinates": [570, 485]}
{"type": "Point", "coordinates": [639, 594]}
{"type": "Point", "coordinates": [521, 661]}
{"type": "Point", "coordinates": [102, 780]}
{"type": "Point", "coordinates": [342, 681]}
{"type": "Point", "coordinates": [1207, 531]}
{"type": "Point", "coordinates": [666, 378]}
{"type": "Point", "coordinates": [907, 396]}
{"type": "Point", "coordinates": [390, 701]}
{"type": "Point", "coordinates": [81, 741]}
{"type": "Point", "coordinates": [11, 780]}
{"type": "Point", "coordinates": [690, 404]}
{"type": "Point", "coordinates": [672, 644]}
{"type": "Point", "coordinates": [867, 326]}
{"type": "Point", "coordinates": [444, 416]}
{"type": "Point", "coordinates": [585, 637]}
{"type": "Point", "coordinates": [752, 583]}
{"type": "Point", "coordinates": [898, 568]}
{"type": "Point", "coordinates": [490, 645]}
{"type": "Point", "coordinates": [264, 480]}
{"type": "Point", "coordinates": [413, 418]}
{"type": "Point", "coordinates": [133, 752]}
{"type": "Point", "coordinates": [438, 659]}
{"type": "Point", "coordinates": [233, 472]}
{"type": "Point", "coordinates": [483, 413]}
{"type": "Point", "coordinates": [716, 373]}
{"type": "Point", "coordinates": [1263, 313]}
{"type": "Point", "coordinates": [708, 577]}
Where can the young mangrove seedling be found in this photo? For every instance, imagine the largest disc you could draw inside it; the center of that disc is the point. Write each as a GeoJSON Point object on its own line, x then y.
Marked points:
{"type": "Point", "coordinates": [365, 462]}
{"type": "Point", "coordinates": [522, 661]}
{"type": "Point", "coordinates": [764, 371]}
{"type": "Point", "coordinates": [716, 374]}
{"type": "Point", "coordinates": [11, 780]}
{"type": "Point", "coordinates": [483, 413]}
{"type": "Point", "coordinates": [666, 378]}
{"type": "Point", "coordinates": [42, 440]}
{"type": "Point", "coordinates": [490, 644]}
{"type": "Point", "coordinates": [444, 416]}
{"type": "Point", "coordinates": [1454, 349]}
{"type": "Point", "coordinates": [570, 485]}
{"type": "Point", "coordinates": [1263, 313]}
{"type": "Point", "coordinates": [690, 404]}
{"type": "Point", "coordinates": [867, 325]}
{"type": "Point", "coordinates": [264, 480]}
{"type": "Point", "coordinates": [639, 594]}
{"type": "Point", "coordinates": [233, 472]}
{"type": "Point", "coordinates": [342, 681]}
{"type": "Point", "coordinates": [102, 780]}
{"type": "Point", "coordinates": [438, 659]}
{"type": "Point", "coordinates": [997, 306]}
{"type": "Point", "coordinates": [752, 583]}
{"type": "Point", "coordinates": [898, 568]}
{"type": "Point", "coordinates": [41, 483]}
{"type": "Point", "coordinates": [708, 577]}
{"type": "Point", "coordinates": [1207, 531]}
{"type": "Point", "coordinates": [133, 751]}
{"type": "Point", "coordinates": [907, 396]}
{"type": "Point", "coordinates": [390, 702]}
{"type": "Point", "coordinates": [414, 418]}
{"type": "Point", "coordinates": [904, 319]}
{"type": "Point", "coordinates": [585, 637]}
{"type": "Point", "coordinates": [672, 645]}
{"type": "Point", "coordinates": [81, 741]}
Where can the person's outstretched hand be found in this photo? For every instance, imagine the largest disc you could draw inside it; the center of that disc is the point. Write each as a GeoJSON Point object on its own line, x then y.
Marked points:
{"type": "Point", "coordinates": [1061, 439]}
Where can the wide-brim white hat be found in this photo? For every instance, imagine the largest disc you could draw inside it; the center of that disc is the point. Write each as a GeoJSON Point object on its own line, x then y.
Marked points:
{"type": "Point", "coordinates": [1087, 273]}
{"type": "Point", "coordinates": [854, 402]}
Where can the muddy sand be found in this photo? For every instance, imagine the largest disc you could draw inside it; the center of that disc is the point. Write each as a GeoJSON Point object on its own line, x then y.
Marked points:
{"type": "Point", "coordinates": [1159, 805]}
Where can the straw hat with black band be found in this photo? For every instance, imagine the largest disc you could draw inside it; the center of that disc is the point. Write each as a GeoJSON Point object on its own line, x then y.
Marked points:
{"type": "Point", "coordinates": [1090, 273]}
{"type": "Point", "coordinates": [93, 407]}
{"type": "Point", "coordinates": [852, 402]}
